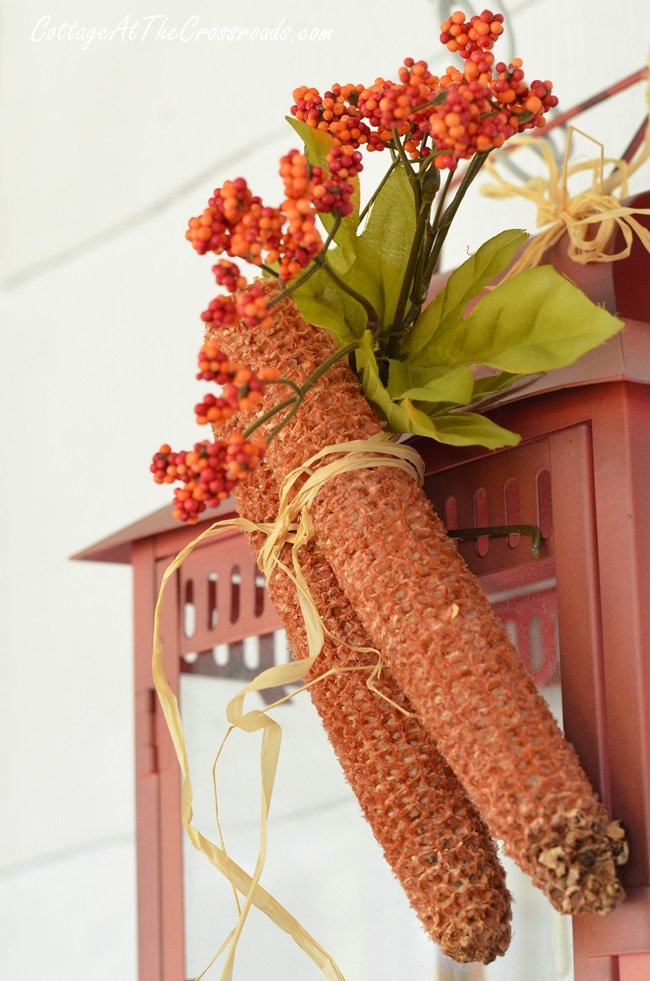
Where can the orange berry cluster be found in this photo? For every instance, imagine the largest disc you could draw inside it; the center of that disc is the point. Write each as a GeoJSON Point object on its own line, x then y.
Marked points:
{"type": "Point", "coordinates": [310, 188]}
{"type": "Point", "coordinates": [238, 223]}
{"type": "Point", "coordinates": [451, 117]}
{"type": "Point", "coordinates": [208, 474]}
{"type": "Point", "coordinates": [334, 193]}
{"type": "Point", "coordinates": [228, 275]}
{"type": "Point", "coordinates": [527, 105]}
{"type": "Point", "coordinates": [249, 304]}
{"type": "Point", "coordinates": [253, 307]}
{"type": "Point", "coordinates": [455, 116]}
{"type": "Point", "coordinates": [220, 310]}
{"type": "Point", "coordinates": [212, 230]}
{"type": "Point", "coordinates": [242, 388]}
{"type": "Point", "coordinates": [468, 37]}
{"type": "Point", "coordinates": [302, 240]}
{"type": "Point", "coordinates": [467, 123]}
{"type": "Point", "coordinates": [399, 106]}
{"type": "Point", "coordinates": [335, 112]}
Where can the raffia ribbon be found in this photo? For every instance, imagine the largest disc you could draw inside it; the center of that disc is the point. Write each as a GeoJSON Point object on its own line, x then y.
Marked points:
{"type": "Point", "coordinates": [294, 526]}
{"type": "Point", "coordinates": [589, 218]}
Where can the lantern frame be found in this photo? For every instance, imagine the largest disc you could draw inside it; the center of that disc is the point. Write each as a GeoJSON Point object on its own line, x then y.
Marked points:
{"type": "Point", "coordinates": [582, 475]}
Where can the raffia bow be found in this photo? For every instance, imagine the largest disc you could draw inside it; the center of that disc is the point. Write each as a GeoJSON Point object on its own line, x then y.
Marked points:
{"type": "Point", "coordinates": [590, 218]}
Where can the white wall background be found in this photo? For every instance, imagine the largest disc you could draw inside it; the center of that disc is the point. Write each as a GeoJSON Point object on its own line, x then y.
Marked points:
{"type": "Point", "coordinates": [105, 154]}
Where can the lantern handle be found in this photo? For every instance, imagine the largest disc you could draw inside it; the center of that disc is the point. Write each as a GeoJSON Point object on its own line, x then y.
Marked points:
{"type": "Point", "coordinates": [498, 531]}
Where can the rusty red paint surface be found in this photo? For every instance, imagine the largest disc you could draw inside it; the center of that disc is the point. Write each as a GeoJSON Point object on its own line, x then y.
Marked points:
{"type": "Point", "coordinates": [582, 474]}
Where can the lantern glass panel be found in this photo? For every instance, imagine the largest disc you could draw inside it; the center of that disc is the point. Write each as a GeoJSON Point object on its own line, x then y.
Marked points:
{"type": "Point", "coordinates": [541, 947]}
{"type": "Point", "coordinates": [323, 862]}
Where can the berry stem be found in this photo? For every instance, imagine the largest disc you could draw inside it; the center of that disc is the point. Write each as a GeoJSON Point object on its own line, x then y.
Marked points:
{"type": "Point", "coordinates": [289, 382]}
{"type": "Point", "coordinates": [373, 319]}
{"type": "Point", "coordinates": [318, 262]}
{"type": "Point", "coordinates": [424, 272]}
{"type": "Point", "coordinates": [443, 222]}
{"type": "Point", "coordinates": [269, 270]}
{"type": "Point", "coordinates": [442, 198]}
{"type": "Point", "coordinates": [416, 248]}
{"type": "Point", "coordinates": [293, 402]}
{"type": "Point", "coordinates": [378, 189]}
{"type": "Point", "coordinates": [410, 173]}
{"type": "Point", "coordinates": [276, 429]}
{"type": "Point", "coordinates": [278, 407]}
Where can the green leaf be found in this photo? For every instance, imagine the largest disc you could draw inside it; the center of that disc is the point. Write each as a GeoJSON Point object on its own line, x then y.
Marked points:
{"type": "Point", "coordinates": [493, 384]}
{"type": "Point", "coordinates": [457, 428]}
{"type": "Point", "coordinates": [362, 277]}
{"type": "Point", "coordinates": [453, 385]}
{"type": "Point", "coordinates": [324, 304]}
{"type": "Point", "coordinates": [372, 384]}
{"type": "Point", "coordinates": [376, 273]}
{"type": "Point", "coordinates": [532, 323]}
{"type": "Point", "coordinates": [464, 283]}
{"type": "Point", "coordinates": [383, 246]}
{"type": "Point", "coordinates": [339, 259]}
{"type": "Point", "coordinates": [395, 414]}
{"type": "Point", "coordinates": [464, 428]}
{"type": "Point", "coordinates": [318, 143]}
{"type": "Point", "coordinates": [372, 263]}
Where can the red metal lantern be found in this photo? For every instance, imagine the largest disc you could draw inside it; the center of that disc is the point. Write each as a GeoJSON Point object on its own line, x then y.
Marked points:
{"type": "Point", "coordinates": [582, 476]}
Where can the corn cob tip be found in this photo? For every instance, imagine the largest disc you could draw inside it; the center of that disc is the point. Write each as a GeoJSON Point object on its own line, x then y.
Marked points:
{"type": "Point", "coordinates": [580, 874]}
{"type": "Point", "coordinates": [468, 931]}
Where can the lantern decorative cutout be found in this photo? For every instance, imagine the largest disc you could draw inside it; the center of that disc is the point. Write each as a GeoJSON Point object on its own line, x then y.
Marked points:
{"type": "Point", "coordinates": [581, 475]}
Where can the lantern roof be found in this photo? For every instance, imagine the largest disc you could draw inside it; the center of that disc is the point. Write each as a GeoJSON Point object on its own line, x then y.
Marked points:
{"type": "Point", "coordinates": [118, 546]}
{"type": "Point", "coordinates": [624, 357]}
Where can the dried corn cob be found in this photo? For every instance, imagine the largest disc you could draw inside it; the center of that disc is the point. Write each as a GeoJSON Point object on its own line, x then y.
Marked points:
{"type": "Point", "coordinates": [430, 833]}
{"type": "Point", "coordinates": [448, 651]}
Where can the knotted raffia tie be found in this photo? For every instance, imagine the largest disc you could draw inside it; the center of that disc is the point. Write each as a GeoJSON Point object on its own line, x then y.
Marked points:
{"type": "Point", "coordinates": [293, 526]}
{"type": "Point", "coordinates": [589, 218]}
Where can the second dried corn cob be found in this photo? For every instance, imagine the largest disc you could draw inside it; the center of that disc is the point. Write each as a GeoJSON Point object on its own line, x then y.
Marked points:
{"type": "Point", "coordinates": [430, 833]}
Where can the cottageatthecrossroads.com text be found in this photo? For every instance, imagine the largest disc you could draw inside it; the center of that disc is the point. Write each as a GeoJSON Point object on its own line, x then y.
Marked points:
{"type": "Point", "coordinates": [159, 27]}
